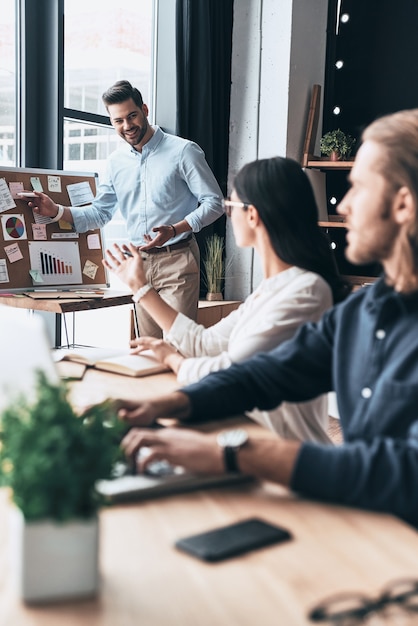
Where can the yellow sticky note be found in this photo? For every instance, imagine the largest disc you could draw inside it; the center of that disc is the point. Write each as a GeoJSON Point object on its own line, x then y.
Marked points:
{"type": "Point", "coordinates": [90, 269]}
{"type": "Point", "coordinates": [65, 225]}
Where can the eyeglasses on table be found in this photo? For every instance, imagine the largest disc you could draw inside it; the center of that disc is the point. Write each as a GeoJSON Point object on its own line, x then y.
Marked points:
{"type": "Point", "coordinates": [346, 608]}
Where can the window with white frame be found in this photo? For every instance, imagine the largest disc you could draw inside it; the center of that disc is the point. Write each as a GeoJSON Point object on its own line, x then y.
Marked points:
{"type": "Point", "coordinates": [101, 47]}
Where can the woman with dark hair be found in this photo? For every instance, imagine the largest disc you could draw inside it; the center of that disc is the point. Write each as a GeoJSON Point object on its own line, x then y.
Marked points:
{"type": "Point", "coordinates": [273, 210]}
{"type": "Point", "coordinates": [288, 210]}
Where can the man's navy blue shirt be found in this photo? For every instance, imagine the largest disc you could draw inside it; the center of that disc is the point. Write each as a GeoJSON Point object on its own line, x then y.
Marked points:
{"type": "Point", "coordinates": [365, 349]}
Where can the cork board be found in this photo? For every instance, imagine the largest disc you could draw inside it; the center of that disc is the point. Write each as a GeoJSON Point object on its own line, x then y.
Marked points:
{"type": "Point", "coordinates": [36, 254]}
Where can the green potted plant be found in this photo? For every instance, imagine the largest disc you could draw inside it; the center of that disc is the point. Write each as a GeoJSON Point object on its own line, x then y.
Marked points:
{"type": "Point", "coordinates": [213, 264]}
{"type": "Point", "coordinates": [337, 145]}
{"type": "Point", "coordinates": [50, 458]}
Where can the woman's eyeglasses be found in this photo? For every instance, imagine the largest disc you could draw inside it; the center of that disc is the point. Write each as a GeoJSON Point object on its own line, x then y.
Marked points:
{"type": "Point", "coordinates": [228, 205]}
{"type": "Point", "coordinates": [356, 607]}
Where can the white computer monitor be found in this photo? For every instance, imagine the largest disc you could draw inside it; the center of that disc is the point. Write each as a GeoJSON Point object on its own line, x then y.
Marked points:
{"type": "Point", "coordinates": [24, 349]}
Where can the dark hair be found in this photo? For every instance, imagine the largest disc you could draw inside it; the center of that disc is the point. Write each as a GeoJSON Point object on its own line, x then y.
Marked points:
{"type": "Point", "coordinates": [120, 92]}
{"type": "Point", "coordinates": [282, 193]}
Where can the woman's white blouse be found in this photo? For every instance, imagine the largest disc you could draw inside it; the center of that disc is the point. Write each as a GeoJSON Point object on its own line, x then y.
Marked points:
{"type": "Point", "coordinates": [270, 315]}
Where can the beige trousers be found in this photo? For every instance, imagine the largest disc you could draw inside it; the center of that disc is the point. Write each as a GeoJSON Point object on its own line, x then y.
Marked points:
{"type": "Point", "coordinates": [175, 276]}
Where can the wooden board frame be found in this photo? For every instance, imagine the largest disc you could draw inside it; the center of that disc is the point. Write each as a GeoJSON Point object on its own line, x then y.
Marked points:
{"type": "Point", "coordinates": [17, 252]}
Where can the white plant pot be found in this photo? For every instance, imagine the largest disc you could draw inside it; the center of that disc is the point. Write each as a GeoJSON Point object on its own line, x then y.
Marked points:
{"type": "Point", "coordinates": [52, 561]}
{"type": "Point", "coordinates": [214, 296]}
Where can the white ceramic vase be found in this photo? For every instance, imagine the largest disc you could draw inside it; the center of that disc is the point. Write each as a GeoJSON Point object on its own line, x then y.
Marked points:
{"type": "Point", "coordinates": [52, 561]}
{"type": "Point", "coordinates": [214, 296]}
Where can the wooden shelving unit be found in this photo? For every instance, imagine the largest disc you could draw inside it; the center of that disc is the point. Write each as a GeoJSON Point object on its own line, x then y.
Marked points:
{"type": "Point", "coordinates": [325, 165]}
{"type": "Point", "coordinates": [332, 224]}
{"type": "Point", "coordinates": [311, 161]}
{"type": "Point", "coordinates": [334, 221]}
{"type": "Point", "coordinates": [360, 281]}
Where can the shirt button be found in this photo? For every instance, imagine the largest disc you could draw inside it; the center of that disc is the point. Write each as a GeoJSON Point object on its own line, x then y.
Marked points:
{"type": "Point", "coordinates": [380, 334]}
{"type": "Point", "coordinates": [366, 392]}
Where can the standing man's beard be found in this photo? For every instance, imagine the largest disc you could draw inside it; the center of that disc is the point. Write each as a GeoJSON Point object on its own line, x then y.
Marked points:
{"type": "Point", "coordinates": [141, 132]}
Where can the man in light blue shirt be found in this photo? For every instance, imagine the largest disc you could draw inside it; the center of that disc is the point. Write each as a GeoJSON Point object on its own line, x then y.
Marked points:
{"type": "Point", "coordinates": [165, 191]}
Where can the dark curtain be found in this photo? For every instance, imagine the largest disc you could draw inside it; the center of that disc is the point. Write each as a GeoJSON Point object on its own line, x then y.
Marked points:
{"type": "Point", "coordinates": [203, 59]}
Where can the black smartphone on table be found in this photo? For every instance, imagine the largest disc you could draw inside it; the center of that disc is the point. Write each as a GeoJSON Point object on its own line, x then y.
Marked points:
{"type": "Point", "coordinates": [233, 540]}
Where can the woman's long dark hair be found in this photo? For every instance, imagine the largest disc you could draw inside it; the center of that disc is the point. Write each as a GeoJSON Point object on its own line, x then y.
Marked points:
{"type": "Point", "coordinates": [282, 194]}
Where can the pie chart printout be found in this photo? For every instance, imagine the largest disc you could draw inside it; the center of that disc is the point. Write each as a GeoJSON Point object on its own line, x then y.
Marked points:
{"type": "Point", "coordinates": [15, 228]}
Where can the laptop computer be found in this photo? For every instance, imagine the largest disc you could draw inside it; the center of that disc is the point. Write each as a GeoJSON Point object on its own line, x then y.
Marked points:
{"type": "Point", "coordinates": [163, 480]}
{"type": "Point", "coordinates": [24, 350]}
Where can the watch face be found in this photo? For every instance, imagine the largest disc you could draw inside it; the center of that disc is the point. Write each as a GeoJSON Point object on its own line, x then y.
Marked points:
{"type": "Point", "coordinates": [233, 438]}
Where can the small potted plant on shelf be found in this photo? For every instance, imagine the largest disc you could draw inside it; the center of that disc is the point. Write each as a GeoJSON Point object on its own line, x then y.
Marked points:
{"type": "Point", "coordinates": [50, 458]}
{"type": "Point", "coordinates": [337, 145]}
{"type": "Point", "coordinates": [213, 264]}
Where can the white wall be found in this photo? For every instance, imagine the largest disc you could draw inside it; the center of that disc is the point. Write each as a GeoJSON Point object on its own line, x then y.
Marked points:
{"type": "Point", "coordinates": [165, 88]}
{"type": "Point", "coordinates": [278, 54]}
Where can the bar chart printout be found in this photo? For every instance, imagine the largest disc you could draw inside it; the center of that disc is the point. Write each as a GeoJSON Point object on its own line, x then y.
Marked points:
{"type": "Point", "coordinates": [57, 263]}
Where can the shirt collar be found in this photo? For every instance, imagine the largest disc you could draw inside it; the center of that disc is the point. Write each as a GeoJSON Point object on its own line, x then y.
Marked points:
{"type": "Point", "coordinates": [152, 143]}
{"type": "Point", "coordinates": [380, 292]}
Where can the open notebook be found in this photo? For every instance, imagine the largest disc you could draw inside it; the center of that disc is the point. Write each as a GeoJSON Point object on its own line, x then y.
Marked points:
{"type": "Point", "coordinates": [25, 349]}
{"type": "Point", "coordinates": [112, 360]}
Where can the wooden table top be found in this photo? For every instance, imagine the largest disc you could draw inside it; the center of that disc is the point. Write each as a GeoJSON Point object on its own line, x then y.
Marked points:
{"type": "Point", "coordinates": [145, 580]}
{"type": "Point", "coordinates": [97, 386]}
{"type": "Point", "coordinates": [68, 305]}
